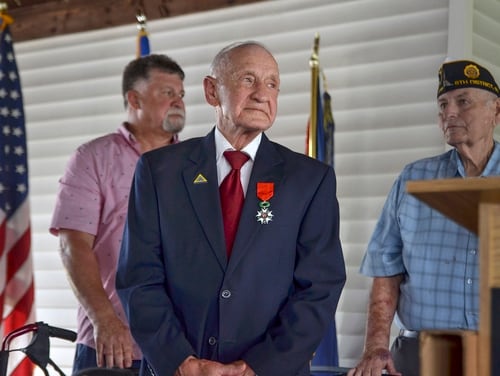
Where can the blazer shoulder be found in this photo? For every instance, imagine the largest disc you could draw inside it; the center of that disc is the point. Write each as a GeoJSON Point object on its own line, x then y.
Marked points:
{"type": "Point", "coordinates": [299, 159]}
{"type": "Point", "coordinates": [180, 149]}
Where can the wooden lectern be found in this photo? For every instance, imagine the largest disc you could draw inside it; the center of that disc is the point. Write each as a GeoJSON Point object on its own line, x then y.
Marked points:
{"type": "Point", "coordinates": [475, 204]}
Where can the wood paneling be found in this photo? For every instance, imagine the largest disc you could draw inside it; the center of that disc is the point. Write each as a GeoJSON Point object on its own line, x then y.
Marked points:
{"type": "Point", "coordinates": [460, 200]}
{"type": "Point", "coordinates": [38, 18]}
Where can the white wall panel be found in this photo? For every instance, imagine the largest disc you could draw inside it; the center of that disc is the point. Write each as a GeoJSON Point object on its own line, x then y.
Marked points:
{"type": "Point", "coordinates": [380, 59]}
{"type": "Point", "coordinates": [485, 32]}
{"type": "Point", "coordinates": [485, 37]}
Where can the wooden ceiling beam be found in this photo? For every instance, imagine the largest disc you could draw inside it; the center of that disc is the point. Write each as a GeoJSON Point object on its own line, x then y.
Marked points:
{"type": "Point", "coordinates": [39, 19]}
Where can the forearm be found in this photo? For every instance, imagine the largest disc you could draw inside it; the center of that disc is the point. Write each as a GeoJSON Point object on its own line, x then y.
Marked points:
{"type": "Point", "coordinates": [382, 307]}
{"type": "Point", "coordinates": [83, 274]}
{"type": "Point", "coordinates": [113, 341]}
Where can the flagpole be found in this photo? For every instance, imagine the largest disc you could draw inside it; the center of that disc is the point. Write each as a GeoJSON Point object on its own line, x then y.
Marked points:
{"type": "Point", "coordinates": [314, 64]}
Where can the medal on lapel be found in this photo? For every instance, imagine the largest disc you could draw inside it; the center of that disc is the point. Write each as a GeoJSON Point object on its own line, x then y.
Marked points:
{"type": "Point", "coordinates": [265, 191]}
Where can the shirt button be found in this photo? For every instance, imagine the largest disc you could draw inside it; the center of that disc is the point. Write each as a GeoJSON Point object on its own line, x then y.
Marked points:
{"type": "Point", "coordinates": [212, 341]}
{"type": "Point", "coordinates": [469, 281]}
{"type": "Point", "coordinates": [226, 294]}
{"type": "Point", "coordinates": [472, 251]}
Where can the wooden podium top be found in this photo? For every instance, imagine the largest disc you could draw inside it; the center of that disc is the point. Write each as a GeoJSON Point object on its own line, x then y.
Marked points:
{"type": "Point", "coordinates": [457, 198]}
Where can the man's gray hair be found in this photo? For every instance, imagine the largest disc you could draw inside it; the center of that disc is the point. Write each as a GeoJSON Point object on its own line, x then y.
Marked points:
{"type": "Point", "coordinates": [221, 59]}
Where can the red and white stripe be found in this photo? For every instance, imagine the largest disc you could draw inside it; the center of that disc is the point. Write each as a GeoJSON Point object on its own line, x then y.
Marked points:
{"type": "Point", "coordinates": [16, 281]}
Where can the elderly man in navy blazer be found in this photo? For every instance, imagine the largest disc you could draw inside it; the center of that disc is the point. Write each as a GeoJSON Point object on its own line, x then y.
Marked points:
{"type": "Point", "coordinates": [204, 301]}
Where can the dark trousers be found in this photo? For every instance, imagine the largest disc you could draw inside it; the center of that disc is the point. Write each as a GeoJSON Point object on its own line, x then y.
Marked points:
{"type": "Point", "coordinates": [85, 357]}
{"type": "Point", "coordinates": [405, 355]}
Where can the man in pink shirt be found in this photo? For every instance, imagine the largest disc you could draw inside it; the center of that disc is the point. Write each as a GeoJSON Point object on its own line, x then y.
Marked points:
{"type": "Point", "coordinates": [92, 202]}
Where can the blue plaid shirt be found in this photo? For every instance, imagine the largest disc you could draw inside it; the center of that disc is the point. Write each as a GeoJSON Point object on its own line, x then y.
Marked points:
{"type": "Point", "coordinates": [438, 258]}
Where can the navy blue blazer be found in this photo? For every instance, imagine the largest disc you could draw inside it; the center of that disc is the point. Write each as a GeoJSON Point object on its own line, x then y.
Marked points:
{"type": "Point", "coordinates": [270, 304]}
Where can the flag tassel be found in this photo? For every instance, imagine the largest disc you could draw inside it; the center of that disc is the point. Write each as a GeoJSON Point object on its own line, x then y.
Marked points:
{"type": "Point", "coordinates": [142, 35]}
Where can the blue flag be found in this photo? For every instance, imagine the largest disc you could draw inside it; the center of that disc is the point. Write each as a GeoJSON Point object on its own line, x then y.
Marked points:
{"type": "Point", "coordinates": [328, 130]}
{"type": "Point", "coordinates": [320, 131]}
{"type": "Point", "coordinates": [325, 127]}
{"type": "Point", "coordinates": [323, 140]}
{"type": "Point", "coordinates": [326, 358]}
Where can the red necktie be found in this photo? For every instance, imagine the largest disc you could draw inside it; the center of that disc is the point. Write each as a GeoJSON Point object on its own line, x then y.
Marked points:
{"type": "Point", "coordinates": [231, 196]}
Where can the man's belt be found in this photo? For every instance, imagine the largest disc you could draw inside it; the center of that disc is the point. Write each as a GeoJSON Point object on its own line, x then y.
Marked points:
{"type": "Point", "coordinates": [408, 333]}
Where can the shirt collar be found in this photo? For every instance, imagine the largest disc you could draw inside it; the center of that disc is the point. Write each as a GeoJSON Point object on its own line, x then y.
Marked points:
{"type": "Point", "coordinates": [129, 136]}
{"type": "Point", "coordinates": [123, 129]}
{"type": "Point", "coordinates": [222, 144]}
{"type": "Point", "coordinates": [493, 162]}
{"type": "Point", "coordinates": [489, 169]}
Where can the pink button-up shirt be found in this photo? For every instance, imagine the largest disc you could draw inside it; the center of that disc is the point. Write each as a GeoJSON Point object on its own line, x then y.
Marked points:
{"type": "Point", "coordinates": [93, 198]}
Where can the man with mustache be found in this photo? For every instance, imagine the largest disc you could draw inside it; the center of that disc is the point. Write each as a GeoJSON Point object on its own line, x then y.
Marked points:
{"type": "Point", "coordinates": [425, 266]}
{"type": "Point", "coordinates": [92, 204]}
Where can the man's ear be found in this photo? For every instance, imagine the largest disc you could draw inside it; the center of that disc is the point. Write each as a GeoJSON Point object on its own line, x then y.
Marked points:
{"type": "Point", "coordinates": [210, 88]}
{"type": "Point", "coordinates": [497, 113]}
{"type": "Point", "coordinates": [133, 99]}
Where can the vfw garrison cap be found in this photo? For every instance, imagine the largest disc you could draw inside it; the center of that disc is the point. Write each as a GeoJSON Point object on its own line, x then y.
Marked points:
{"type": "Point", "coordinates": [465, 73]}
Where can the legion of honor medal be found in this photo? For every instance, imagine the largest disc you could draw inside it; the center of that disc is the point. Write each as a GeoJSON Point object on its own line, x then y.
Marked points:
{"type": "Point", "coordinates": [265, 191]}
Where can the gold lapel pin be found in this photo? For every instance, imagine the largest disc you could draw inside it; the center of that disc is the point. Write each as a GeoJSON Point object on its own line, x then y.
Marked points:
{"type": "Point", "coordinates": [200, 179]}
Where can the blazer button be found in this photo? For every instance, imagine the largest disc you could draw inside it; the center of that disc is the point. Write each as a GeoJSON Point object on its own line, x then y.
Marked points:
{"type": "Point", "coordinates": [212, 341]}
{"type": "Point", "coordinates": [226, 294]}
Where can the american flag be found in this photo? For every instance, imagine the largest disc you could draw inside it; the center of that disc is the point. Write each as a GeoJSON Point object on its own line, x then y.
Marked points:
{"type": "Point", "coordinates": [16, 269]}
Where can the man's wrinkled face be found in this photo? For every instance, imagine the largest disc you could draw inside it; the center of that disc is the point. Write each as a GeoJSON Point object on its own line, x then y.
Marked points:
{"type": "Point", "coordinates": [247, 90]}
{"type": "Point", "coordinates": [467, 116]}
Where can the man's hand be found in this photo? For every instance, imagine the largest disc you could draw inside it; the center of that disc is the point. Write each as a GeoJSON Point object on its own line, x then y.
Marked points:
{"type": "Point", "coordinates": [373, 362]}
{"type": "Point", "coordinates": [202, 367]}
{"type": "Point", "coordinates": [113, 343]}
{"type": "Point", "coordinates": [238, 368]}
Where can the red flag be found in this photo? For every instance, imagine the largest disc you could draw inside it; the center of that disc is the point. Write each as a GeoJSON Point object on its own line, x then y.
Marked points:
{"type": "Point", "coordinates": [16, 269]}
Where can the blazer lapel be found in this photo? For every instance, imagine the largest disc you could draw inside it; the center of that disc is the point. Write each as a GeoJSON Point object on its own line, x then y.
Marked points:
{"type": "Point", "coordinates": [201, 183]}
{"type": "Point", "coordinates": [268, 167]}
